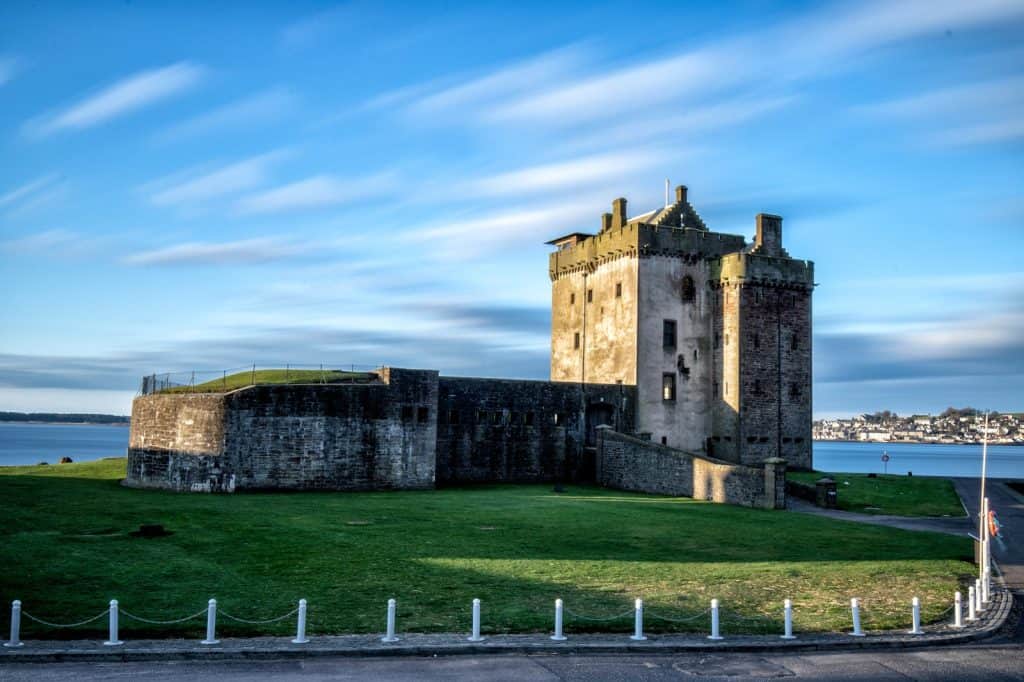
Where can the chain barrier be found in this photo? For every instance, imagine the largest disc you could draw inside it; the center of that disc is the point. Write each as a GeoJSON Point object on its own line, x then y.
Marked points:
{"type": "Point", "coordinates": [597, 619]}
{"type": "Point", "coordinates": [688, 619]}
{"type": "Point", "coordinates": [257, 622]}
{"type": "Point", "coordinates": [161, 622]}
{"type": "Point", "coordinates": [102, 614]}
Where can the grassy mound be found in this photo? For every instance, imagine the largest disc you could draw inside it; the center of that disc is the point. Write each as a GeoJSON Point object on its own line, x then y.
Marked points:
{"type": "Point", "coordinates": [67, 550]}
{"type": "Point", "coordinates": [896, 495]}
{"type": "Point", "coordinates": [274, 376]}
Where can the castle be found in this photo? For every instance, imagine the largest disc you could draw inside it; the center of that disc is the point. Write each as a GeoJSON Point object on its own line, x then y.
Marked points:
{"type": "Point", "coordinates": [680, 364]}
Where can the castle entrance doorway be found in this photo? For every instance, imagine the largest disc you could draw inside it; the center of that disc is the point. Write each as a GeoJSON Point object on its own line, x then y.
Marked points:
{"type": "Point", "coordinates": [598, 414]}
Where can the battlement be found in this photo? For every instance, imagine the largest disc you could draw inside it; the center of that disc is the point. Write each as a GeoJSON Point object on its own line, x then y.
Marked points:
{"type": "Point", "coordinates": [754, 268]}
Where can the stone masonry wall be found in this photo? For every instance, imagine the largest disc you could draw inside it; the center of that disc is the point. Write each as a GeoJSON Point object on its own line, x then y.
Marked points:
{"type": "Point", "coordinates": [628, 463]}
{"type": "Point", "coordinates": [507, 431]}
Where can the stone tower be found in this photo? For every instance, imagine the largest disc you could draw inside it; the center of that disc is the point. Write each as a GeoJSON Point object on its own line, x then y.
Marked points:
{"type": "Point", "coordinates": [714, 333]}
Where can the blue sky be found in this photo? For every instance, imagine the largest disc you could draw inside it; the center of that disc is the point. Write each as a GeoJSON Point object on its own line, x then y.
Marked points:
{"type": "Point", "coordinates": [192, 187]}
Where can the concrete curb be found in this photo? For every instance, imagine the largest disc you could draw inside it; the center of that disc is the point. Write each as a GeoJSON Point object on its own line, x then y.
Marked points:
{"type": "Point", "coordinates": [266, 648]}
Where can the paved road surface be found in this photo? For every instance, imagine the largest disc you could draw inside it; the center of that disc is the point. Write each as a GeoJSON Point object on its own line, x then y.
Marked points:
{"type": "Point", "coordinates": [1009, 507]}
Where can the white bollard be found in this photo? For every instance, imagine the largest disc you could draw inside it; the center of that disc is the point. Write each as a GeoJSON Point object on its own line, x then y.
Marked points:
{"type": "Point", "coordinates": [15, 624]}
{"type": "Point", "coordinates": [916, 609]}
{"type": "Point", "coordinates": [979, 605]}
{"type": "Point", "coordinates": [715, 634]}
{"type": "Point", "coordinates": [971, 605]}
{"type": "Point", "coordinates": [787, 609]}
{"type": "Point", "coordinates": [390, 636]}
{"type": "Point", "coordinates": [638, 621]}
{"type": "Point", "coordinates": [300, 628]}
{"type": "Point", "coordinates": [855, 611]}
{"type": "Point", "coordinates": [475, 637]}
{"type": "Point", "coordinates": [558, 636]}
{"type": "Point", "coordinates": [112, 639]}
{"type": "Point", "coordinates": [211, 623]}
{"type": "Point", "coordinates": [958, 611]}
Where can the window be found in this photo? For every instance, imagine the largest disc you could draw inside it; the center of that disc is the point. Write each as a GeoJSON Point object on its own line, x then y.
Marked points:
{"type": "Point", "coordinates": [572, 298]}
{"type": "Point", "coordinates": [422, 414]}
{"type": "Point", "coordinates": [757, 386]}
{"type": "Point", "coordinates": [794, 342]}
{"type": "Point", "coordinates": [689, 291]}
{"type": "Point", "coordinates": [618, 290]}
{"type": "Point", "coordinates": [718, 340]}
{"type": "Point", "coordinates": [664, 440]}
{"type": "Point", "coordinates": [590, 295]}
{"type": "Point", "coordinates": [453, 416]}
{"type": "Point", "coordinates": [668, 386]}
{"type": "Point", "coordinates": [528, 418]}
{"type": "Point", "coordinates": [668, 334]}
{"type": "Point", "coordinates": [556, 419]}
{"type": "Point", "coordinates": [794, 390]}
{"type": "Point", "coordinates": [727, 339]}
{"type": "Point", "coordinates": [695, 355]}
{"type": "Point", "coordinates": [716, 388]}
{"type": "Point", "coordinates": [757, 340]}
{"type": "Point", "coordinates": [406, 413]}
{"type": "Point", "coordinates": [576, 340]}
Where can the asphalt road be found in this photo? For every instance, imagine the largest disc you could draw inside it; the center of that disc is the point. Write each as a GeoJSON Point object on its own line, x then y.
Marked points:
{"type": "Point", "coordinates": [1008, 550]}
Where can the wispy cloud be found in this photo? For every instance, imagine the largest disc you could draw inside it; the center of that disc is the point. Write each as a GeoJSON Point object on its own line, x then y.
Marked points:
{"type": "Point", "coordinates": [193, 187]}
{"type": "Point", "coordinates": [246, 251]}
{"type": "Point", "coordinates": [46, 241]}
{"type": "Point", "coordinates": [313, 28]}
{"type": "Point", "coordinates": [582, 172]}
{"type": "Point", "coordinates": [316, 192]}
{"type": "Point", "coordinates": [28, 191]}
{"type": "Point", "coordinates": [125, 96]}
{"type": "Point", "coordinates": [259, 109]}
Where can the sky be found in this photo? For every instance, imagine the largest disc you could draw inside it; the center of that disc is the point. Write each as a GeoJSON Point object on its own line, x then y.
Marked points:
{"type": "Point", "coordinates": [199, 187]}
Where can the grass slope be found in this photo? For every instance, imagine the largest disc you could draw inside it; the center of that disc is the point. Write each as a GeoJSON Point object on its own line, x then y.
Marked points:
{"type": "Point", "coordinates": [231, 382]}
{"type": "Point", "coordinates": [897, 495]}
{"type": "Point", "coordinates": [66, 551]}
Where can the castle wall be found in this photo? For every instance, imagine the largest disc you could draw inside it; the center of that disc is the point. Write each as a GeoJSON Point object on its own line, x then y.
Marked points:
{"type": "Point", "coordinates": [499, 430]}
{"type": "Point", "coordinates": [684, 421]}
{"type": "Point", "coordinates": [335, 436]}
{"type": "Point", "coordinates": [628, 463]}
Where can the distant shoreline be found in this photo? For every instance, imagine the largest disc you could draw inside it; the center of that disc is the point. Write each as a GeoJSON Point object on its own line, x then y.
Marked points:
{"type": "Point", "coordinates": [909, 442]}
{"type": "Point", "coordinates": [62, 423]}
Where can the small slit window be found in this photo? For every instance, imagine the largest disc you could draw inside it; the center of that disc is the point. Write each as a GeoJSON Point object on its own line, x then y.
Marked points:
{"type": "Point", "coordinates": [576, 340]}
{"type": "Point", "coordinates": [590, 295]}
{"type": "Point", "coordinates": [668, 386]}
{"type": "Point", "coordinates": [689, 291]}
{"type": "Point", "coordinates": [422, 414]}
{"type": "Point", "coordinates": [618, 290]}
{"type": "Point", "coordinates": [572, 298]}
{"type": "Point", "coordinates": [668, 334]}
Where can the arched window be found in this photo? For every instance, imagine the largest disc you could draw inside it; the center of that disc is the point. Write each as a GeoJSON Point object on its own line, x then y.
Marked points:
{"type": "Point", "coordinates": [689, 291]}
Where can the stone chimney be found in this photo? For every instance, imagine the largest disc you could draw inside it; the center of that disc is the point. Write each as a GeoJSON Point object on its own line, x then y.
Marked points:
{"type": "Point", "coordinates": [619, 212]}
{"type": "Point", "coordinates": [768, 240]}
{"type": "Point", "coordinates": [606, 221]}
{"type": "Point", "coordinates": [680, 194]}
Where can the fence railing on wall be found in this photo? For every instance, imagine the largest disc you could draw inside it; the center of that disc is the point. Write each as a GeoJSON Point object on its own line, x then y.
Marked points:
{"type": "Point", "coordinates": [220, 380]}
{"type": "Point", "coordinates": [716, 616]}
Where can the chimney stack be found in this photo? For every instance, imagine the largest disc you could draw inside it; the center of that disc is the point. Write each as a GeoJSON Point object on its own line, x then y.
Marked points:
{"type": "Point", "coordinates": [680, 194]}
{"type": "Point", "coordinates": [619, 212]}
{"type": "Point", "coordinates": [606, 221]}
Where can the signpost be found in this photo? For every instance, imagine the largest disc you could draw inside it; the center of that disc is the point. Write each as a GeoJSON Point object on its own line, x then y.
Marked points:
{"type": "Point", "coordinates": [885, 462]}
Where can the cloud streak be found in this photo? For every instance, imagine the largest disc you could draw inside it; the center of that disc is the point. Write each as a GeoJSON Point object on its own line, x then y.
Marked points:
{"type": "Point", "coordinates": [123, 97]}
{"type": "Point", "coordinates": [248, 112]}
{"type": "Point", "coordinates": [184, 189]}
{"type": "Point", "coordinates": [245, 252]}
{"type": "Point", "coordinates": [319, 191]}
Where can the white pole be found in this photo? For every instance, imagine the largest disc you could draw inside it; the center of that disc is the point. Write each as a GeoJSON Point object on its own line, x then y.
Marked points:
{"type": "Point", "coordinates": [855, 609]}
{"type": "Point", "coordinates": [986, 557]}
{"type": "Point", "coordinates": [638, 621]}
{"type": "Point", "coordinates": [211, 623]}
{"type": "Point", "coordinates": [666, 192]}
{"type": "Point", "coordinates": [979, 605]}
{"type": "Point", "coordinates": [390, 636]}
{"type": "Point", "coordinates": [971, 605]}
{"type": "Point", "coordinates": [558, 636]}
{"type": "Point", "coordinates": [788, 611]}
{"type": "Point", "coordinates": [300, 628]}
{"type": "Point", "coordinates": [986, 587]}
{"type": "Point", "coordinates": [715, 634]}
{"type": "Point", "coordinates": [15, 624]}
{"type": "Point", "coordinates": [981, 501]}
{"type": "Point", "coordinates": [112, 639]}
{"type": "Point", "coordinates": [916, 609]}
{"type": "Point", "coordinates": [958, 611]}
{"type": "Point", "coordinates": [476, 622]}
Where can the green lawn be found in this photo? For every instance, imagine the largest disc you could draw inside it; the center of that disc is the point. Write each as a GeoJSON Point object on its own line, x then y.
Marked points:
{"type": "Point", "coordinates": [898, 495]}
{"type": "Point", "coordinates": [230, 382]}
{"type": "Point", "coordinates": [66, 551]}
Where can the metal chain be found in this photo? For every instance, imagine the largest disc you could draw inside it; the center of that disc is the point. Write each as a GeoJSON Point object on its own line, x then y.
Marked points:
{"type": "Point", "coordinates": [161, 622]}
{"type": "Point", "coordinates": [597, 620]}
{"type": "Point", "coordinates": [28, 615]}
{"type": "Point", "coordinates": [677, 620]}
{"type": "Point", "coordinates": [258, 622]}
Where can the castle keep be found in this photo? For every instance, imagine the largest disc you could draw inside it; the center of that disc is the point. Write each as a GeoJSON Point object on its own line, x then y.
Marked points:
{"type": "Point", "coordinates": [680, 364]}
